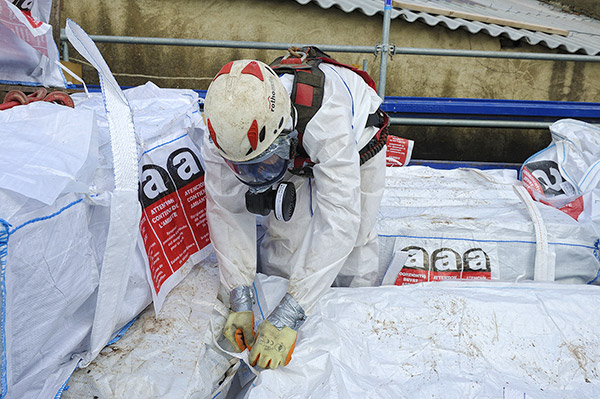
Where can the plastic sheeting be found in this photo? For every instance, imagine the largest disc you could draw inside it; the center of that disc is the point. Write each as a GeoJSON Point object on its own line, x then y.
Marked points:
{"type": "Point", "coordinates": [500, 334]}
{"type": "Point", "coordinates": [444, 340]}
{"type": "Point", "coordinates": [168, 356]}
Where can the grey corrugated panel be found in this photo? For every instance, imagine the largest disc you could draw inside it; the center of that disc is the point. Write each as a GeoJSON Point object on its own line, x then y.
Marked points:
{"type": "Point", "coordinates": [584, 33]}
{"type": "Point", "coordinates": [367, 7]}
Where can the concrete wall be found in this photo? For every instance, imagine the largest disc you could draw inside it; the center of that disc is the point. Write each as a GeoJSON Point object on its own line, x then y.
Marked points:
{"type": "Point", "coordinates": [287, 21]}
{"type": "Point", "coordinates": [587, 7]}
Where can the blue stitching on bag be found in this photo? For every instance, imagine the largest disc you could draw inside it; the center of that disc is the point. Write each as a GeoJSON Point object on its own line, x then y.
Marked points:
{"type": "Point", "coordinates": [117, 337]}
{"type": "Point", "coordinates": [122, 331]}
{"type": "Point", "coordinates": [531, 157]}
{"type": "Point", "coordinates": [597, 256]}
{"type": "Point", "coordinates": [257, 301]}
{"type": "Point", "coordinates": [161, 145]}
{"type": "Point", "coordinates": [4, 235]}
{"type": "Point", "coordinates": [61, 210]}
{"type": "Point", "coordinates": [474, 239]}
{"type": "Point", "coordinates": [589, 172]}
{"type": "Point", "coordinates": [17, 82]}
{"type": "Point", "coordinates": [562, 169]}
{"type": "Point", "coordinates": [65, 387]}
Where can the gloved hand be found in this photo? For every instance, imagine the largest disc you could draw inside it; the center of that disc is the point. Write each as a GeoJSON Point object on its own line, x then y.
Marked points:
{"type": "Point", "coordinates": [276, 336]}
{"type": "Point", "coordinates": [239, 330]}
{"type": "Point", "coordinates": [273, 347]}
{"type": "Point", "coordinates": [239, 327]}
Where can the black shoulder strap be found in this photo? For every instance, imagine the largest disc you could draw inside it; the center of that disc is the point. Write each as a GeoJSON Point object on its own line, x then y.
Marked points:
{"type": "Point", "coordinates": [307, 97]}
{"type": "Point", "coordinates": [307, 91]}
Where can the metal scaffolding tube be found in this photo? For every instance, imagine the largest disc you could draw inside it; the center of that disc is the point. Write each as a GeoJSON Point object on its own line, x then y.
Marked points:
{"type": "Point", "coordinates": [495, 54]}
{"type": "Point", "coordinates": [470, 123]}
{"type": "Point", "coordinates": [221, 43]}
{"type": "Point", "coordinates": [385, 47]}
{"type": "Point", "coordinates": [392, 50]}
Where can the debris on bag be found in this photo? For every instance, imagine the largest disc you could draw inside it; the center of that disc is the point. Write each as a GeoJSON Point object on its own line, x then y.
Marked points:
{"type": "Point", "coordinates": [169, 356]}
{"type": "Point", "coordinates": [454, 339]}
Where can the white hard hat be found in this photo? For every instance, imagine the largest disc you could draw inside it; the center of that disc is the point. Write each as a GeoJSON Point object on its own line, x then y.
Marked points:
{"type": "Point", "coordinates": [246, 108]}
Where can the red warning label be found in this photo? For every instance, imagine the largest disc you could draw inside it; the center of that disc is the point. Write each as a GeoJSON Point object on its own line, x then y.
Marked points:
{"type": "Point", "coordinates": [399, 151]}
{"type": "Point", "coordinates": [173, 223]}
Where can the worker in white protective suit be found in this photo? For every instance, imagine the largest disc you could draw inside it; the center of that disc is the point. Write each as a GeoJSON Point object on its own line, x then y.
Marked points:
{"type": "Point", "coordinates": [322, 228]}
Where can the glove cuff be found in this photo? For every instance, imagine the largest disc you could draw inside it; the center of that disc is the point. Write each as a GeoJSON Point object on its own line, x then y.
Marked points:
{"type": "Point", "coordinates": [240, 299]}
{"type": "Point", "coordinates": [287, 314]}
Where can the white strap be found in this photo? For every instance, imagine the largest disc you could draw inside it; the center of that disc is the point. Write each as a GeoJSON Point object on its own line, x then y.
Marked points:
{"type": "Point", "coordinates": [125, 209]}
{"type": "Point", "coordinates": [75, 76]}
{"type": "Point", "coordinates": [545, 258]}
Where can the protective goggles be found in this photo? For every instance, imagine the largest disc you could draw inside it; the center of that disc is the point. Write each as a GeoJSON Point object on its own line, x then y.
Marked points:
{"type": "Point", "coordinates": [269, 167]}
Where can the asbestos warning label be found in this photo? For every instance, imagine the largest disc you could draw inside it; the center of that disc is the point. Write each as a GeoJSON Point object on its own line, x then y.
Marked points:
{"type": "Point", "coordinates": [173, 223]}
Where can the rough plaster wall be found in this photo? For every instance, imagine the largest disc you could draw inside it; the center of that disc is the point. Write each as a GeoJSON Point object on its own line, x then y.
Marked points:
{"type": "Point", "coordinates": [587, 7]}
{"type": "Point", "coordinates": [286, 21]}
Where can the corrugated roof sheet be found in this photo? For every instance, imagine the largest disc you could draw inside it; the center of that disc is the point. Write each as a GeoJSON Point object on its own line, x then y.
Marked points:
{"type": "Point", "coordinates": [583, 37]}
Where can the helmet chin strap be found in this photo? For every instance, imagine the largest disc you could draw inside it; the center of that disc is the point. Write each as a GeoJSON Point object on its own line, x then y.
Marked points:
{"type": "Point", "coordinates": [293, 141]}
{"type": "Point", "coordinates": [294, 115]}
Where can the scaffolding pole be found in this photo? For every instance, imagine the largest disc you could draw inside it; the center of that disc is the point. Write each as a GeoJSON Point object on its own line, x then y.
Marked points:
{"type": "Point", "coordinates": [488, 123]}
{"type": "Point", "coordinates": [375, 49]}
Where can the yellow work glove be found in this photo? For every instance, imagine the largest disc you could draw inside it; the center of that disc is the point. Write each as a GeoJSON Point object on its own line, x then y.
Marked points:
{"type": "Point", "coordinates": [276, 336]}
{"type": "Point", "coordinates": [239, 330]}
{"type": "Point", "coordinates": [273, 347]}
{"type": "Point", "coordinates": [239, 327]}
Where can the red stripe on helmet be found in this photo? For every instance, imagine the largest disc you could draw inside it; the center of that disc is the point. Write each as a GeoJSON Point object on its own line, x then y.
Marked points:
{"type": "Point", "coordinates": [253, 134]}
{"type": "Point", "coordinates": [253, 69]}
{"type": "Point", "coordinates": [213, 135]}
{"type": "Point", "coordinates": [225, 70]}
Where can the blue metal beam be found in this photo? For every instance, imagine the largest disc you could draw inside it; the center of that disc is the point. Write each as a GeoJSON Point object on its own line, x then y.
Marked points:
{"type": "Point", "coordinates": [491, 109]}
{"type": "Point", "coordinates": [478, 109]}
{"type": "Point", "coordinates": [465, 164]}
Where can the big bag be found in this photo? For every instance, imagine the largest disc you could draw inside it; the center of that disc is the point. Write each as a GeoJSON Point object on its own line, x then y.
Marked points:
{"type": "Point", "coordinates": [565, 175]}
{"type": "Point", "coordinates": [28, 54]}
{"type": "Point", "coordinates": [74, 266]}
{"type": "Point", "coordinates": [472, 224]}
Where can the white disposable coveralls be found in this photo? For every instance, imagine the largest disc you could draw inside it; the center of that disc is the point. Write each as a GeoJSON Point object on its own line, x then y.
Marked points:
{"type": "Point", "coordinates": [332, 230]}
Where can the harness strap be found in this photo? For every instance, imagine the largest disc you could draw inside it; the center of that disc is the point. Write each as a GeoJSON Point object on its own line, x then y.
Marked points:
{"type": "Point", "coordinates": [378, 141]}
{"type": "Point", "coordinates": [307, 94]}
{"type": "Point", "coordinates": [307, 97]}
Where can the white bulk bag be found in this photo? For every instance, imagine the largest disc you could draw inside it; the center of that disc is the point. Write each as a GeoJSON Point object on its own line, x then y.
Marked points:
{"type": "Point", "coordinates": [28, 54]}
{"type": "Point", "coordinates": [451, 339]}
{"type": "Point", "coordinates": [74, 268]}
{"type": "Point", "coordinates": [173, 223]}
{"type": "Point", "coordinates": [55, 230]}
{"type": "Point", "coordinates": [471, 224]}
{"type": "Point", "coordinates": [566, 174]}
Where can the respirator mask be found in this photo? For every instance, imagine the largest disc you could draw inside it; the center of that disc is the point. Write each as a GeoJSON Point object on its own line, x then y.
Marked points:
{"type": "Point", "coordinates": [263, 175]}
